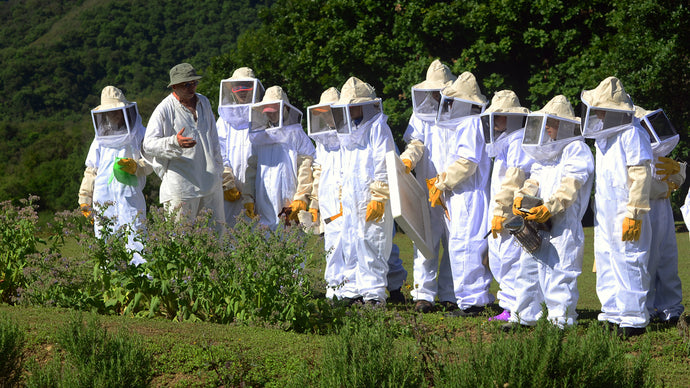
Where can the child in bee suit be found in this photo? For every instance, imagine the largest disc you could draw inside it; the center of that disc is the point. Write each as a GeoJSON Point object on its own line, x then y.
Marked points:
{"type": "Point", "coordinates": [425, 149]}
{"type": "Point", "coordinates": [665, 291]}
{"type": "Point", "coordinates": [237, 94]}
{"type": "Point", "coordinates": [562, 175]}
{"type": "Point", "coordinates": [282, 156]}
{"type": "Point", "coordinates": [115, 169]}
{"type": "Point", "coordinates": [622, 230]}
{"type": "Point", "coordinates": [504, 123]}
{"type": "Point", "coordinates": [367, 220]}
{"type": "Point", "coordinates": [461, 188]}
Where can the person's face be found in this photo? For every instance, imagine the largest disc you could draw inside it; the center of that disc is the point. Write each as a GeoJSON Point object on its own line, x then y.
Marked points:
{"type": "Point", "coordinates": [600, 114]}
{"type": "Point", "coordinates": [272, 113]}
{"type": "Point", "coordinates": [500, 123]}
{"type": "Point", "coordinates": [243, 93]}
{"type": "Point", "coordinates": [356, 112]}
{"type": "Point", "coordinates": [552, 128]}
{"type": "Point", "coordinates": [185, 90]}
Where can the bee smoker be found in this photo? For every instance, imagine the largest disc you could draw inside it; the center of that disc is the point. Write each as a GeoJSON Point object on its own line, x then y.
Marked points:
{"type": "Point", "coordinates": [525, 232]}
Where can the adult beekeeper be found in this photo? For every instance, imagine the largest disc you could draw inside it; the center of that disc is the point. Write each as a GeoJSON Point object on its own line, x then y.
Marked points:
{"type": "Point", "coordinates": [367, 228]}
{"type": "Point", "coordinates": [282, 156]}
{"type": "Point", "coordinates": [664, 300]}
{"type": "Point", "coordinates": [424, 151]}
{"type": "Point", "coordinates": [237, 94]}
{"type": "Point", "coordinates": [622, 229]}
{"type": "Point", "coordinates": [562, 176]}
{"type": "Point", "coordinates": [503, 123]}
{"type": "Point", "coordinates": [116, 172]}
{"type": "Point", "coordinates": [461, 188]}
{"type": "Point", "coordinates": [182, 140]}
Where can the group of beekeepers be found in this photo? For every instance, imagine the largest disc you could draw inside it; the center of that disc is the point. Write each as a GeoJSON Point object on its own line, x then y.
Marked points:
{"type": "Point", "coordinates": [507, 189]}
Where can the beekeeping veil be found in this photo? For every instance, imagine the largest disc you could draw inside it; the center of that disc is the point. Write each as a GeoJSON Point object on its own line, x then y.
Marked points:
{"type": "Point", "coordinates": [662, 134]}
{"type": "Point", "coordinates": [115, 119]}
{"type": "Point", "coordinates": [361, 109]}
{"type": "Point", "coordinates": [549, 130]}
{"type": "Point", "coordinates": [606, 110]}
{"type": "Point", "coordinates": [324, 122]}
{"type": "Point", "coordinates": [426, 96]}
{"type": "Point", "coordinates": [273, 116]}
{"type": "Point", "coordinates": [459, 99]}
{"type": "Point", "coordinates": [237, 94]}
{"type": "Point", "coordinates": [502, 118]}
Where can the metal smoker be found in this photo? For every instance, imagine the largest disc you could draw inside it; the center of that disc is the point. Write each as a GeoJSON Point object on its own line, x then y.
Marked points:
{"type": "Point", "coordinates": [525, 232]}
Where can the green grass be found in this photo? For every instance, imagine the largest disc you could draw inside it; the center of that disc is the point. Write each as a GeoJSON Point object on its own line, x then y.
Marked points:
{"type": "Point", "coordinates": [205, 354]}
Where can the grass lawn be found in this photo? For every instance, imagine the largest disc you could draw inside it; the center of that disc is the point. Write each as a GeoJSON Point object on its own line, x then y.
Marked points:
{"type": "Point", "coordinates": [196, 354]}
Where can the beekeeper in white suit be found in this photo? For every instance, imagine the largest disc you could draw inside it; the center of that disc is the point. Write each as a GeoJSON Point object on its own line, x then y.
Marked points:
{"type": "Point", "coordinates": [425, 149]}
{"type": "Point", "coordinates": [182, 140]}
{"type": "Point", "coordinates": [325, 206]}
{"type": "Point", "coordinates": [461, 188]}
{"type": "Point", "coordinates": [665, 291]}
{"type": "Point", "coordinates": [282, 157]}
{"type": "Point", "coordinates": [367, 220]}
{"type": "Point", "coordinates": [504, 122]}
{"type": "Point", "coordinates": [562, 177]}
{"type": "Point", "coordinates": [622, 231]}
{"type": "Point", "coordinates": [116, 172]}
{"type": "Point", "coordinates": [237, 94]}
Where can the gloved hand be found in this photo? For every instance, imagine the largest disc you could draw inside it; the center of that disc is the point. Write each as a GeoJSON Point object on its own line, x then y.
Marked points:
{"type": "Point", "coordinates": [539, 214]}
{"type": "Point", "coordinates": [296, 206]}
{"type": "Point", "coordinates": [232, 195]}
{"type": "Point", "coordinates": [85, 210]}
{"type": "Point", "coordinates": [667, 166]}
{"type": "Point", "coordinates": [249, 209]}
{"type": "Point", "coordinates": [408, 165]}
{"type": "Point", "coordinates": [631, 229]}
{"type": "Point", "coordinates": [497, 225]}
{"type": "Point", "coordinates": [434, 192]}
{"type": "Point", "coordinates": [517, 204]}
{"type": "Point", "coordinates": [375, 211]}
{"type": "Point", "coordinates": [128, 165]}
{"type": "Point", "coordinates": [314, 214]}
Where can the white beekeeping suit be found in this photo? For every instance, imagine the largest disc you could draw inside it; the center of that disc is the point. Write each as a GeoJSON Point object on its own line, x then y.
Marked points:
{"type": "Point", "coordinates": [562, 176]}
{"type": "Point", "coordinates": [116, 172]}
{"type": "Point", "coordinates": [665, 291]}
{"type": "Point", "coordinates": [503, 123]}
{"type": "Point", "coordinates": [282, 157]}
{"type": "Point", "coordinates": [237, 94]}
{"type": "Point", "coordinates": [367, 220]}
{"type": "Point", "coordinates": [426, 147]}
{"type": "Point", "coordinates": [462, 187]}
{"type": "Point", "coordinates": [325, 206]}
{"type": "Point", "coordinates": [622, 231]}
{"type": "Point", "coordinates": [685, 209]}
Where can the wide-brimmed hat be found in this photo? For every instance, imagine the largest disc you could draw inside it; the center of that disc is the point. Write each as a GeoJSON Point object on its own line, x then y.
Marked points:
{"type": "Point", "coordinates": [243, 73]}
{"type": "Point", "coordinates": [274, 94]}
{"type": "Point", "coordinates": [559, 106]}
{"type": "Point", "coordinates": [112, 97]}
{"type": "Point", "coordinates": [355, 91]}
{"type": "Point", "coordinates": [438, 76]}
{"type": "Point", "coordinates": [465, 88]}
{"type": "Point", "coordinates": [184, 72]}
{"type": "Point", "coordinates": [609, 94]}
{"type": "Point", "coordinates": [329, 96]}
{"type": "Point", "coordinates": [641, 112]}
{"type": "Point", "coordinates": [505, 101]}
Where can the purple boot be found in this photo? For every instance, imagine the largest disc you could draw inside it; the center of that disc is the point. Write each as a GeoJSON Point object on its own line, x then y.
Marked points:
{"type": "Point", "coordinates": [504, 316]}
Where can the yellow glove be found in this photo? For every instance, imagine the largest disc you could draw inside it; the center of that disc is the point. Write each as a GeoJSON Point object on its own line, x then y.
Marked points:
{"type": "Point", "coordinates": [408, 165]}
{"type": "Point", "coordinates": [128, 165]}
{"type": "Point", "coordinates": [497, 225]}
{"type": "Point", "coordinates": [672, 186]}
{"type": "Point", "coordinates": [631, 229]}
{"type": "Point", "coordinates": [434, 192]}
{"type": "Point", "coordinates": [375, 211]}
{"type": "Point", "coordinates": [295, 207]}
{"type": "Point", "coordinates": [667, 167]}
{"type": "Point", "coordinates": [249, 209]}
{"type": "Point", "coordinates": [232, 195]}
{"type": "Point", "coordinates": [314, 214]}
{"type": "Point", "coordinates": [85, 210]}
{"type": "Point", "coordinates": [538, 213]}
{"type": "Point", "coordinates": [517, 204]}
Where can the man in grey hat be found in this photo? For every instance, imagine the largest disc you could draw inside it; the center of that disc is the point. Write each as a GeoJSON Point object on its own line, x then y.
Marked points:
{"type": "Point", "coordinates": [182, 140]}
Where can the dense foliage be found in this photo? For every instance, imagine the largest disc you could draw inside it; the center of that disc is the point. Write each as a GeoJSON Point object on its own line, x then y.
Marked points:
{"type": "Point", "coordinates": [58, 56]}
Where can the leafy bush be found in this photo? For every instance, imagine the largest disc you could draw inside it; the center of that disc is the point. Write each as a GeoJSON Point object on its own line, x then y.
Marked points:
{"type": "Point", "coordinates": [95, 358]}
{"type": "Point", "coordinates": [12, 343]}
